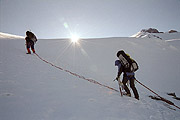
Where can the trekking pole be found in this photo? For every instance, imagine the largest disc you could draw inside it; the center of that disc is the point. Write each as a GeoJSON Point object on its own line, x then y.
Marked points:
{"type": "Point", "coordinates": [119, 86]}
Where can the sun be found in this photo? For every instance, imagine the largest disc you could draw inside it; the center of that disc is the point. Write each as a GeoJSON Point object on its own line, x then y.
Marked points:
{"type": "Point", "coordinates": [74, 38]}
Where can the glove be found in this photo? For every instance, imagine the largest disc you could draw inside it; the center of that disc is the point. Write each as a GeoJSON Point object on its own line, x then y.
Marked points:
{"type": "Point", "coordinates": [121, 84]}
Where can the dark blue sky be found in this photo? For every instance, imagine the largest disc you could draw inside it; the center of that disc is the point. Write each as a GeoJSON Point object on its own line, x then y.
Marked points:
{"type": "Point", "coordinates": [87, 18]}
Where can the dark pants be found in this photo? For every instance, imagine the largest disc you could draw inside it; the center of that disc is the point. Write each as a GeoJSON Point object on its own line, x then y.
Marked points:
{"type": "Point", "coordinates": [132, 85]}
{"type": "Point", "coordinates": [30, 44]}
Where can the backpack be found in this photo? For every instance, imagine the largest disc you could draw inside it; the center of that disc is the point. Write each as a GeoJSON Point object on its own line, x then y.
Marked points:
{"type": "Point", "coordinates": [129, 65]}
{"type": "Point", "coordinates": [31, 36]}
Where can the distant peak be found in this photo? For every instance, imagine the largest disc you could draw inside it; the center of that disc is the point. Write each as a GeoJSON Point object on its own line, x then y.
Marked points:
{"type": "Point", "coordinates": [154, 33]}
{"type": "Point", "coordinates": [150, 30]}
{"type": "Point", "coordinates": [172, 31]}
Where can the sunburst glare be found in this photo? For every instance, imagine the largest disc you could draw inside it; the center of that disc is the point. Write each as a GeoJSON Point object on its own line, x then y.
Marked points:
{"type": "Point", "coordinates": [74, 38]}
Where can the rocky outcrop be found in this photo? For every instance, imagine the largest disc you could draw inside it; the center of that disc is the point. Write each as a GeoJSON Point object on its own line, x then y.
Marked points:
{"type": "Point", "coordinates": [150, 30]}
{"type": "Point", "coordinates": [172, 31]}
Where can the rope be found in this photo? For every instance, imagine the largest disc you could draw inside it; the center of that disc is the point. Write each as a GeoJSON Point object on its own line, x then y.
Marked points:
{"type": "Point", "coordinates": [163, 99]}
{"type": "Point", "coordinates": [98, 83]}
{"type": "Point", "coordinates": [74, 74]}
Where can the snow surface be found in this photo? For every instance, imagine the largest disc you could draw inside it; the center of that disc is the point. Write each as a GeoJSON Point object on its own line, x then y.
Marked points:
{"type": "Point", "coordinates": [9, 36]}
{"type": "Point", "coordinates": [31, 89]}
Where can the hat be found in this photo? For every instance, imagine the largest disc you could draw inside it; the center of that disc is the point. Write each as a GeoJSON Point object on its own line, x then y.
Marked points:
{"type": "Point", "coordinates": [27, 32]}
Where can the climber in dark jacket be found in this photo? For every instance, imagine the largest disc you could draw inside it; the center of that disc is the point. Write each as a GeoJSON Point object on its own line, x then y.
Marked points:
{"type": "Point", "coordinates": [127, 76]}
{"type": "Point", "coordinates": [30, 41]}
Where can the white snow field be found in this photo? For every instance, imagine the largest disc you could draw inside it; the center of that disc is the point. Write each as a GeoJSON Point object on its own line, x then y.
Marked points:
{"type": "Point", "coordinates": [31, 89]}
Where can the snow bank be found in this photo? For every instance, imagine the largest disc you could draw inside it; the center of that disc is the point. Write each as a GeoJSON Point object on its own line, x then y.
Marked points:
{"type": "Point", "coordinates": [33, 90]}
{"type": "Point", "coordinates": [9, 36]}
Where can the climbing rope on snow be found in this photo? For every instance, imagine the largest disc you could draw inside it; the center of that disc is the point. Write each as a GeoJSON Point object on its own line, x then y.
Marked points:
{"type": "Point", "coordinates": [74, 74]}
{"type": "Point", "coordinates": [161, 98]}
{"type": "Point", "coordinates": [98, 83]}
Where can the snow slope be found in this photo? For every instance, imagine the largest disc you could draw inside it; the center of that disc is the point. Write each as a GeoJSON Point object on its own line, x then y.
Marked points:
{"type": "Point", "coordinates": [31, 89]}
{"type": "Point", "coordinates": [9, 36]}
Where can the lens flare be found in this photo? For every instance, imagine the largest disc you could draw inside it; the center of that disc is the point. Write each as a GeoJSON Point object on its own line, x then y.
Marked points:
{"type": "Point", "coordinates": [74, 38]}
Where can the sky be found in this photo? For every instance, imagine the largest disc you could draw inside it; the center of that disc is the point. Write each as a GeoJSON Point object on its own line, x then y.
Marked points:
{"type": "Point", "coordinates": [87, 18]}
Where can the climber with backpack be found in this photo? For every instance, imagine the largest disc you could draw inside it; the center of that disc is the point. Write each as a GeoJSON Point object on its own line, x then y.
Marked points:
{"type": "Point", "coordinates": [127, 66]}
{"type": "Point", "coordinates": [30, 41]}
